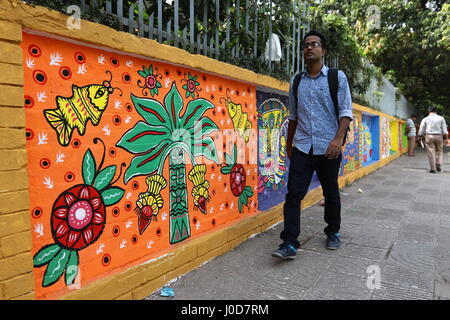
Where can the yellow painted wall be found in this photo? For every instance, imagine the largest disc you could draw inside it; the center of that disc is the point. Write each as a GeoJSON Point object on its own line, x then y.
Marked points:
{"type": "Point", "coordinates": [394, 136]}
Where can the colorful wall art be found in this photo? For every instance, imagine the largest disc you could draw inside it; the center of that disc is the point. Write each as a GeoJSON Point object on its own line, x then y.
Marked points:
{"type": "Point", "coordinates": [351, 156]}
{"type": "Point", "coordinates": [385, 137]}
{"type": "Point", "coordinates": [128, 157]}
{"type": "Point", "coordinates": [395, 141]}
{"type": "Point", "coordinates": [273, 163]}
{"type": "Point", "coordinates": [370, 139]}
{"type": "Point", "coordinates": [403, 138]}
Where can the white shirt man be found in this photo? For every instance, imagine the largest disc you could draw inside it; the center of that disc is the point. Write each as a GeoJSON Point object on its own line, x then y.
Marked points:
{"type": "Point", "coordinates": [434, 128]}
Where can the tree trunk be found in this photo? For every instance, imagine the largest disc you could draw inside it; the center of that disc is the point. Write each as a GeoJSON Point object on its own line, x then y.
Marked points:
{"type": "Point", "coordinates": [179, 217]}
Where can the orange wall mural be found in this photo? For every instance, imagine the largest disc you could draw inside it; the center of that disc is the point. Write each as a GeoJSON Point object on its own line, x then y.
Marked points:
{"type": "Point", "coordinates": [128, 157]}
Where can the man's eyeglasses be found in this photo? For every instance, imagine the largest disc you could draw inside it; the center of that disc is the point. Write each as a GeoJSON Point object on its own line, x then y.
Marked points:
{"type": "Point", "coordinates": [311, 45]}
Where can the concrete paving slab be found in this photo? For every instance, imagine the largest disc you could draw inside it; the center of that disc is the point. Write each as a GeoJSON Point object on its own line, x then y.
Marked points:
{"type": "Point", "coordinates": [304, 271]}
{"type": "Point", "coordinates": [394, 292]}
{"type": "Point", "coordinates": [398, 195]}
{"type": "Point", "coordinates": [407, 278]}
{"type": "Point", "coordinates": [364, 252]}
{"type": "Point", "coordinates": [317, 244]}
{"type": "Point", "coordinates": [442, 290]}
{"type": "Point", "coordinates": [428, 222]}
{"type": "Point", "coordinates": [415, 256]}
{"type": "Point", "coordinates": [352, 266]}
{"type": "Point", "coordinates": [274, 288]}
{"type": "Point", "coordinates": [379, 194]}
{"type": "Point", "coordinates": [375, 237]}
{"type": "Point", "coordinates": [337, 286]}
{"type": "Point", "coordinates": [416, 237]}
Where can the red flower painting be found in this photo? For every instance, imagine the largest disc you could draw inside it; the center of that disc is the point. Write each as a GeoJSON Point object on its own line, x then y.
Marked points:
{"type": "Point", "coordinates": [78, 219]}
{"type": "Point", "coordinates": [237, 179]}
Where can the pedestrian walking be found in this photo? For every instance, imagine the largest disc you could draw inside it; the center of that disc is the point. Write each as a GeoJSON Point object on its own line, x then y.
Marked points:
{"type": "Point", "coordinates": [411, 134]}
{"type": "Point", "coordinates": [433, 129]}
{"type": "Point", "coordinates": [320, 110]}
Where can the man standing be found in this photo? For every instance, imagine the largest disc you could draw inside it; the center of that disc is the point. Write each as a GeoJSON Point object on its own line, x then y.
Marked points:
{"type": "Point", "coordinates": [411, 133]}
{"type": "Point", "coordinates": [434, 128]}
{"type": "Point", "coordinates": [314, 143]}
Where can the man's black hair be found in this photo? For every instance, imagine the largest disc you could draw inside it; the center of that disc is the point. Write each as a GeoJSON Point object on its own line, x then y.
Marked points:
{"type": "Point", "coordinates": [413, 115]}
{"type": "Point", "coordinates": [432, 109]}
{"type": "Point", "coordinates": [317, 34]}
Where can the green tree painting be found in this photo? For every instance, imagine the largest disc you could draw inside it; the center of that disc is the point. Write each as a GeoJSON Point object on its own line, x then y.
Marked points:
{"type": "Point", "coordinates": [170, 131]}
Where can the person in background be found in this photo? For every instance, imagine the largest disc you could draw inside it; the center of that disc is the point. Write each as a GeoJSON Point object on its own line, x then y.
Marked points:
{"type": "Point", "coordinates": [433, 129]}
{"type": "Point", "coordinates": [411, 134]}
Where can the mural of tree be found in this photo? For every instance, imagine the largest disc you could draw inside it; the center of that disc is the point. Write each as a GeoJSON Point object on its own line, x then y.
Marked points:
{"type": "Point", "coordinates": [171, 132]}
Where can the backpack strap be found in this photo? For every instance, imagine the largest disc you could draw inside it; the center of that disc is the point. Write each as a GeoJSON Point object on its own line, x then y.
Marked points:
{"type": "Point", "coordinates": [333, 85]}
{"type": "Point", "coordinates": [295, 84]}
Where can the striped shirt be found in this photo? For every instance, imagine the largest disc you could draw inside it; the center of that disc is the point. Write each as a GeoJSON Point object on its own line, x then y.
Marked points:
{"type": "Point", "coordinates": [411, 128]}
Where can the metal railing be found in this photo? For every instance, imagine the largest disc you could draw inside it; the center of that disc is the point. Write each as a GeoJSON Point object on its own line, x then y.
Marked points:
{"type": "Point", "coordinates": [215, 28]}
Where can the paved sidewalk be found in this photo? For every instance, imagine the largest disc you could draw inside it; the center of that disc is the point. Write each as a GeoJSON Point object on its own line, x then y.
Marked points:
{"type": "Point", "coordinates": [401, 223]}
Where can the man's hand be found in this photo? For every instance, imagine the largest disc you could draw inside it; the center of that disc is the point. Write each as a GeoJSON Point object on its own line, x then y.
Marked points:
{"type": "Point", "coordinates": [289, 151]}
{"type": "Point", "coordinates": [334, 148]}
{"type": "Point", "coordinates": [291, 132]}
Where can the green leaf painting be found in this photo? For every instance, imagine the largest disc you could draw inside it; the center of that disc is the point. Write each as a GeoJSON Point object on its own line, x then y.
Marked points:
{"type": "Point", "coordinates": [46, 254]}
{"type": "Point", "coordinates": [147, 163]}
{"type": "Point", "coordinates": [153, 112]}
{"type": "Point", "coordinates": [203, 127]}
{"type": "Point", "coordinates": [104, 177]}
{"type": "Point", "coordinates": [72, 269]}
{"type": "Point", "coordinates": [194, 111]}
{"type": "Point", "coordinates": [88, 167]}
{"type": "Point", "coordinates": [143, 137]}
{"type": "Point", "coordinates": [206, 148]}
{"type": "Point", "coordinates": [56, 267]}
{"type": "Point", "coordinates": [112, 195]}
{"type": "Point", "coordinates": [174, 104]}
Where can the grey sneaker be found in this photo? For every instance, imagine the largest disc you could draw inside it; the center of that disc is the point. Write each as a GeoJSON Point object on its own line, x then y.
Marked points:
{"type": "Point", "coordinates": [285, 251]}
{"type": "Point", "coordinates": [333, 241]}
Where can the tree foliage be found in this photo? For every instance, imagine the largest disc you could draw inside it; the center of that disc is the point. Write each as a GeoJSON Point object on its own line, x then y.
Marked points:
{"type": "Point", "coordinates": [411, 44]}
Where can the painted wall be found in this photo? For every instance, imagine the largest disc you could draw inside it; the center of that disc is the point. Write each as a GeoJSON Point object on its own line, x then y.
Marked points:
{"type": "Point", "coordinates": [273, 163]}
{"type": "Point", "coordinates": [100, 139]}
{"type": "Point", "coordinates": [385, 137]}
{"type": "Point", "coordinates": [91, 199]}
{"type": "Point", "coordinates": [395, 141]}
{"type": "Point", "coordinates": [351, 156]}
{"type": "Point", "coordinates": [403, 138]}
{"type": "Point", "coordinates": [370, 139]}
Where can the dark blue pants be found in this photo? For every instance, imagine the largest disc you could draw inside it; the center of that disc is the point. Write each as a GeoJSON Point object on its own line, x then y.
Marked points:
{"type": "Point", "coordinates": [301, 170]}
